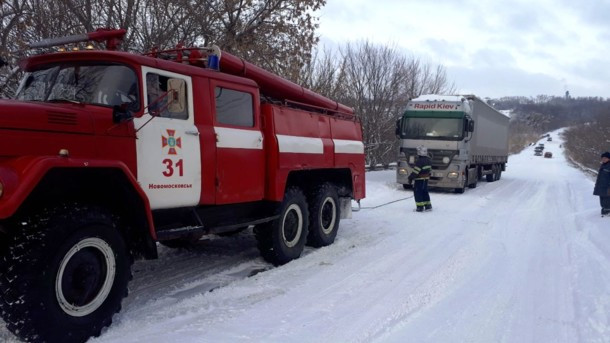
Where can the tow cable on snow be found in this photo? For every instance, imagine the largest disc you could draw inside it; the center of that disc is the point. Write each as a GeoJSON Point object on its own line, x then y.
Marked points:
{"type": "Point", "coordinates": [384, 204]}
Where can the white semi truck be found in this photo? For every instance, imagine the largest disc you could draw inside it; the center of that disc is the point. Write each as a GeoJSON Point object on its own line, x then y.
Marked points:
{"type": "Point", "coordinates": [466, 138]}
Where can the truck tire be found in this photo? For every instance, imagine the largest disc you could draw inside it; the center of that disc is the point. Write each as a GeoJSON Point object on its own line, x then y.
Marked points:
{"type": "Point", "coordinates": [324, 216]}
{"type": "Point", "coordinates": [283, 239]}
{"type": "Point", "coordinates": [64, 275]}
{"type": "Point", "coordinates": [461, 190]}
{"type": "Point", "coordinates": [491, 177]}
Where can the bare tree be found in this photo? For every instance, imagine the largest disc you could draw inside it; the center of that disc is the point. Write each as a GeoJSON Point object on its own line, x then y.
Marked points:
{"type": "Point", "coordinates": [377, 81]}
{"type": "Point", "coordinates": [277, 34]}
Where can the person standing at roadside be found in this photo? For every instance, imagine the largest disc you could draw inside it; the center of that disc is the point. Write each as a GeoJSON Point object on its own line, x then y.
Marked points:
{"type": "Point", "coordinates": [420, 175]}
{"type": "Point", "coordinates": [602, 184]}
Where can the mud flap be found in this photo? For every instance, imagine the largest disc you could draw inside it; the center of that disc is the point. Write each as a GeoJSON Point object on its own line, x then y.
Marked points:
{"type": "Point", "coordinates": [345, 206]}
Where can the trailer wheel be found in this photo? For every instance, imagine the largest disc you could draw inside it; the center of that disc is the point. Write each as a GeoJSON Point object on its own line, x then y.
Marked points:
{"type": "Point", "coordinates": [64, 275]}
{"type": "Point", "coordinates": [499, 174]}
{"type": "Point", "coordinates": [324, 216]}
{"type": "Point", "coordinates": [492, 176]}
{"type": "Point", "coordinates": [283, 239]}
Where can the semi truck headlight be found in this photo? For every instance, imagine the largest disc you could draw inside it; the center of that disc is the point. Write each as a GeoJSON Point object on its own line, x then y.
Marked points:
{"type": "Point", "coordinates": [402, 171]}
{"type": "Point", "coordinates": [453, 175]}
{"type": "Point", "coordinates": [446, 160]}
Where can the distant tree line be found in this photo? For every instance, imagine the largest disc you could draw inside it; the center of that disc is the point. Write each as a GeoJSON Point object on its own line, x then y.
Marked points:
{"type": "Point", "coordinates": [587, 120]}
{"type": "Point", "coordinates": [586, 141]}
{"type": "Point", "coordinates": [278, 35]}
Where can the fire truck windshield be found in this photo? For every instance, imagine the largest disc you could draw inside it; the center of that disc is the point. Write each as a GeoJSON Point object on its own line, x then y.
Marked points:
{"type": "Point", "coordinates": [98, 84]}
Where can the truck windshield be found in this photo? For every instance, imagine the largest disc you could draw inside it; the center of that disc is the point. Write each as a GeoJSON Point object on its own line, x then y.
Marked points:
{"type": "Point", "coordinates": [432, 128]}
{"type": "Point", "coordinates": [98, 84]}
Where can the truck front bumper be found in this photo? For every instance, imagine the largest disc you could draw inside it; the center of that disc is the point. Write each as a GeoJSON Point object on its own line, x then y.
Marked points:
{"type": "Point", "coordinates": [439, 178]}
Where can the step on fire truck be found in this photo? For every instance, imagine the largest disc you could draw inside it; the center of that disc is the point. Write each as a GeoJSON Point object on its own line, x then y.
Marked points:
{"type": "Point", "coordinates": [105, 153]}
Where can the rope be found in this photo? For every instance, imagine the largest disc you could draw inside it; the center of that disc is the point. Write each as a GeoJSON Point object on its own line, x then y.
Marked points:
{"type": "Point", "coordinates": [385, 204]}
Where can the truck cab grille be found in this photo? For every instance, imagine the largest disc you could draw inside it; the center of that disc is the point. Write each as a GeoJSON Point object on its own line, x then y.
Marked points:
{"type": "Point", "coordinates": [436, 156]}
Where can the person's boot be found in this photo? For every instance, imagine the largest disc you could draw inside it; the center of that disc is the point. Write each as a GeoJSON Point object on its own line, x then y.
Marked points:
{"type": "Point", "coordinates": [428, 207]}
{"type": "Point", "coordinates": [419, 209]}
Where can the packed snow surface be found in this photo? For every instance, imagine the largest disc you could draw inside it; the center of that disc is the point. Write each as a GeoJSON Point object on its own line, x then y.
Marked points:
{"type": "Point", "coordinates": [523, 259]}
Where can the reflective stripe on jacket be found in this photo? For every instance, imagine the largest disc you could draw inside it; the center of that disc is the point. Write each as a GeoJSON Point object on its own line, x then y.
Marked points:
{"type": "Point", "coordinates": [422, 169]}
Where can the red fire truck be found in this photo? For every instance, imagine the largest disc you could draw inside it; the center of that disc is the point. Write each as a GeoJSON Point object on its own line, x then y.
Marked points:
{"type": "Point", "coordinates": [105, 153]}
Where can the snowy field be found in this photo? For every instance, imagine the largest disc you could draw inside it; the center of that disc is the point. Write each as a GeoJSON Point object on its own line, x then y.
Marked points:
{"type": "Point", "coordinates": [524, 259]}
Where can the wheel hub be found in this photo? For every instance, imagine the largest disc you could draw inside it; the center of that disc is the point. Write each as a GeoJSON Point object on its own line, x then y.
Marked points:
{"type": "Point", "coordinates": [292, 225]}
{"type": "Point", "coordinates": [328, 215]}
{"type": "Point", "coordinates": [85, 277]}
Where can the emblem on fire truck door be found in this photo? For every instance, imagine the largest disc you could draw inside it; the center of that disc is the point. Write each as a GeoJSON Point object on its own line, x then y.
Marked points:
{"type": "Point", "coordinates": [171, 141]}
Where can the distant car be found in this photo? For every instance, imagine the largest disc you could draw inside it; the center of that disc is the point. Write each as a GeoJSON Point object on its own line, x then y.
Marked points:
{"type": "Point", "coordinates": [548, 154]}
{"type": "Point", "coordinates": [538, 153]}
{"type": "Point", "coordinates": [549, 139]}
{"type": "Point", "coordinates": [541, 145]}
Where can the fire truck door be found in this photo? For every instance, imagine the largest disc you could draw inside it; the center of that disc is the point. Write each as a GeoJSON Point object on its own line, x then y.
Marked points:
{"type": "Point", "coordinates": [240, 159]}
{"type": "Point", "coordinates": [167, 144]}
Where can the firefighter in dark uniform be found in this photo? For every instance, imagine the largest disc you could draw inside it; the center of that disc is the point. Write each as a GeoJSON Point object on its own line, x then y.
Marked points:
{"type": "Point", "coordinates": [602, 184]}
{"type": "Point", "coordinates": [421, 174]}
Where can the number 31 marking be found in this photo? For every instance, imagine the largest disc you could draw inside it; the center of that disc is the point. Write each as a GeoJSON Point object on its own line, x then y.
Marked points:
{"type": "Point", "coordinates": [169, 167]}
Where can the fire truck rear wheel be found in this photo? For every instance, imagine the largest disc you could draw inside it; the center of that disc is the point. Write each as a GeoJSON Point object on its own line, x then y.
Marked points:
{"type": "Point", "coordinates": [64, 275]}
{"type": "Point", "coordinates": [283, 239]}
{"type": "Point", "coordinates": [324, 216]}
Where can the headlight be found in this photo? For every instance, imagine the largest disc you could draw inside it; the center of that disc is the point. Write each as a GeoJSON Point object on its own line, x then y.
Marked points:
{"type": "Point", "coordinates": [453, 175]}
{"type": "Point", "coordinates": [446, 160]}
{"type": "Point", "coordinates": [411, 159]}
{"type": "Point", "coordinates": [402, 170]}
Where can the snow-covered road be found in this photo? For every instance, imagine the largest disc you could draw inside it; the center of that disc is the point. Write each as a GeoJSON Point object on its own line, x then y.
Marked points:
{"type": "Point", "coordinates": [524, 259]}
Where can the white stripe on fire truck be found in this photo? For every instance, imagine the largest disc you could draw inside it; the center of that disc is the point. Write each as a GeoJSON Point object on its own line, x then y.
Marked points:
{"type": "Point", "coordinates": [302, 145]}
{"type": "Point", "coordinates": [238, 139]}
{"type": "Point", "coordinates": [343, 146]}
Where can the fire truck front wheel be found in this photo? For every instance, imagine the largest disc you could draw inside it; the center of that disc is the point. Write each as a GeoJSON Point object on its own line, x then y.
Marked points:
{"type": "Point", "coordinates": [64, 275]}
{"type": "Point", "coordinates": [324, 216]}
{"type": "Point", "coordinates": [283, 239]}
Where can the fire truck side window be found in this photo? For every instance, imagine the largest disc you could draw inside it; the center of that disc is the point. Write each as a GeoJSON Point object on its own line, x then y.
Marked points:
{"type": "Point", "coordinates": [156, 92]}
{"type": "Point", "coordinates": [234, 107]}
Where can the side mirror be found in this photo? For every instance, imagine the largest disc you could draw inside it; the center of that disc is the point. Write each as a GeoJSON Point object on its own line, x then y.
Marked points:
{"type": "Point", "coordinates": [120, 113]}
{"type": "Point", "coordinates": [471, 125]}
{"type": "Point", "coordinates": [176, 89]}
{"type": "Point", "coordinates": [398, 126]}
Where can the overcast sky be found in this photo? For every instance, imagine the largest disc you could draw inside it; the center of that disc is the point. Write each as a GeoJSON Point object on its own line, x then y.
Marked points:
{"type": "Point", "coordinates": [490, 48]}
